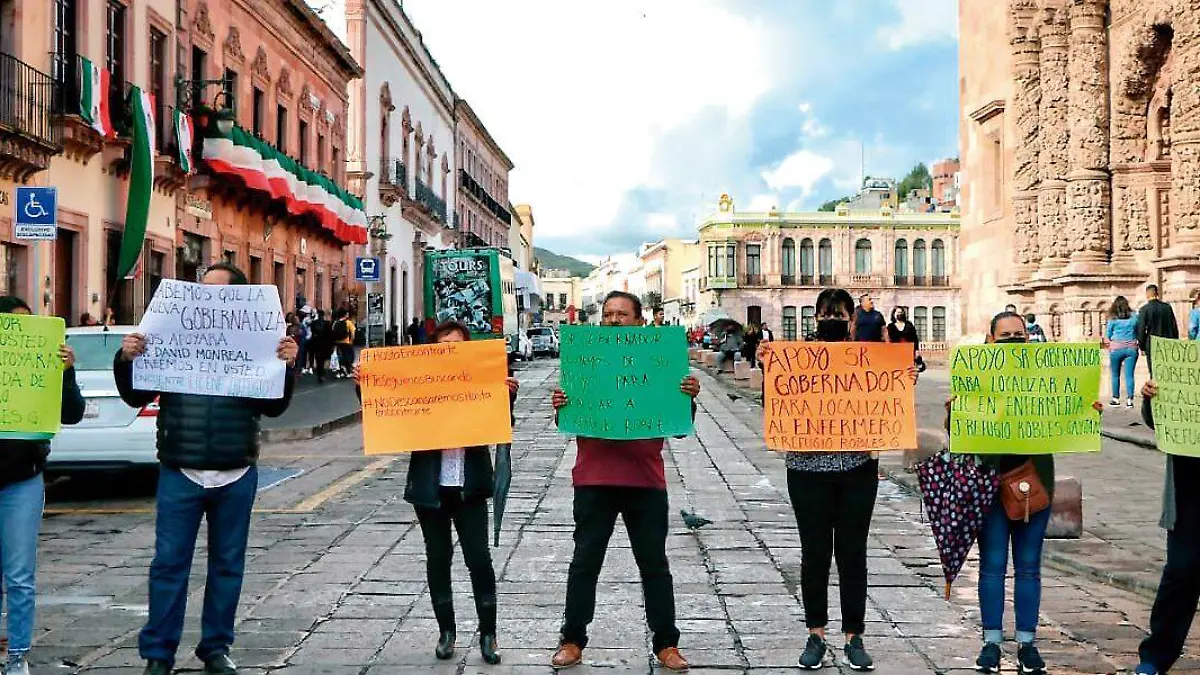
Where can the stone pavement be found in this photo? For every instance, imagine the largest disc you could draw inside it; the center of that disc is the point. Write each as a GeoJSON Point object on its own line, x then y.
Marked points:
{"type": "Point", "coordinates": [335, 584]}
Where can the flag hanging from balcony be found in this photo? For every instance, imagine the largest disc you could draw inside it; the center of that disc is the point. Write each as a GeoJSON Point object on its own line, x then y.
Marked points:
{"type": "Point", "coordinates": [183, 139]}
{"type": "Point", "coordinates": [93, 98]}
{"type": "Point", "coordinates": [141, 182]}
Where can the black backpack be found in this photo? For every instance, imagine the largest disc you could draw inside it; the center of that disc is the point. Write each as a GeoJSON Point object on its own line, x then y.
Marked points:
{"type": "Point", "coordinates": [340, 330]}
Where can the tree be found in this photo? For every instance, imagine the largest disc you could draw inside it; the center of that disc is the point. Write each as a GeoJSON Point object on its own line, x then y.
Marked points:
{"type": "Point", "coordinates": [832, 204]}
{"type": "Point", "coordinates": [652, 299]}
{"type": "Point", "coordinates": [917, 179]}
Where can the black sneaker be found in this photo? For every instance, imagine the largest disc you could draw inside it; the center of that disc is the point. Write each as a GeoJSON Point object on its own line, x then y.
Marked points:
{"type": "Point", "coordinates": [813, 657]}
{"type": "Point", "coordinates": [1029, 661]}
{"type": "Point", "coordinates": [856, 655]}
{"type": "Point", "coordinates": [989, 659]}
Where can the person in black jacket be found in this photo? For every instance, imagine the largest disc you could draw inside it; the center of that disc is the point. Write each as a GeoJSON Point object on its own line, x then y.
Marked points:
{"type": "Point", "coordinates": [451, 488]}
{"type": "Point", "coordinates": [22, 495]}
{"type": "Point", "coordinates": [1155, 318]}
{"type": "Point", "coordinates": [207, 449]}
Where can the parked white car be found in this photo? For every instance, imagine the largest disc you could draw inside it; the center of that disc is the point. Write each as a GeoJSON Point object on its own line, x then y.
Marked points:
{"type": "Point", "coordinates": [545, 340]}
{"type": "Point", "coordinates": [111, 435]}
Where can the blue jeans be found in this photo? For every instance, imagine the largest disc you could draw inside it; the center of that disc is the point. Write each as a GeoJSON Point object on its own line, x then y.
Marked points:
{"type": "Point", "coordinates": [1118, 360]}
{"type": "Point", "coordinates": [1026, 540]}
{"type": "Point", "coordinates": [181, 505]}
{"type": "Point", "coordinates": [20, 520]}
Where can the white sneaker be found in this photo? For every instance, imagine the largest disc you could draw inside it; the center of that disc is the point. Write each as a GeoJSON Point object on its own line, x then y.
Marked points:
{"type": "Point", "coordinates": [1115, 403]}
{"type": "Point", "coordinates": [1129, 403]}
{"type": "Point", "coordinates": [17, 665]}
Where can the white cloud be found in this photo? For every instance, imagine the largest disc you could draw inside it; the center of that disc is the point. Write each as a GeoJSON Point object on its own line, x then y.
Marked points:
{"type": "Point", "coordinates": [762, 203]}
{"type": "Point", "coordinates": [577, 93]}
{"type": "Point", "coordinates": [921, 21]}
{"type": "Point", "coordinates": [801, 169]}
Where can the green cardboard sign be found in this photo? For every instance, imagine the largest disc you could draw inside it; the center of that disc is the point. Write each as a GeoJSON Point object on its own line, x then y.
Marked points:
{"type": "Point", "coordinates": [623, 383]}
{"type": "Point", "coordinates": [1025, 399]}
{"type": "Point", "coordinates": [1175, 366]}
{"type": "Point", "coordinates": [30, 376]}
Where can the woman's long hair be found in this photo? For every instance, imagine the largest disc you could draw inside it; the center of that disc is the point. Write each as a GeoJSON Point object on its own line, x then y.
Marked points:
{"type": "Point", "coordinates": [446, 327]}
{"type": "Point", "coordinates": [832, 299]}
{"type": "Point", "coordinates": [1120, 308]}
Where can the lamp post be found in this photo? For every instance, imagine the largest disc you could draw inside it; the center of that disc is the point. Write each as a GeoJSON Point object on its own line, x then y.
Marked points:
{"type": "Point", "coordinates": [223, 117]}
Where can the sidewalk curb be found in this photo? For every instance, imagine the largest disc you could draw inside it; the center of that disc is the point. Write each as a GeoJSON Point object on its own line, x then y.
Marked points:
{"type": "Point", "coordinates": [1126, 437]}
{"type": "Point", "coordinates": [309, 432]}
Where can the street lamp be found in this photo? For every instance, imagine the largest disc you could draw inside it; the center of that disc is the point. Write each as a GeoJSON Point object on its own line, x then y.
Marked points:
{"type": "Point", "coordinates": [222, 117]}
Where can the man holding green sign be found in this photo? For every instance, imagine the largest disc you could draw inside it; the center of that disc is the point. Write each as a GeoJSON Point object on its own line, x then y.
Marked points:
{"type": "Point", "coordinates": [38, 392]}
{"type": "Point", "coordinates": [627, 389]}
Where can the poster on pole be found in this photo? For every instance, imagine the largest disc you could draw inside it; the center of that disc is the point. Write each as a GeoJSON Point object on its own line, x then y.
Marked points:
{"type": "Point", "coordinates": [839, 397]}
{"type": "Point", "coordinates": [30, 376]}
{"type": "Point", "coordinates": [435, 397]}
{"type": "Point", "coordinates": [1176, 370]}
{"type": "Point", "coordinates": [212, 340]}
{"type": "Point", "coordinates": [1025, 399]}
{"type": "Point", "coordinates": [623, 382]}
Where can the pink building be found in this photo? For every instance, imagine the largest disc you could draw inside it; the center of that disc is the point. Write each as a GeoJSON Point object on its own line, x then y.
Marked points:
{"type": "Point", "coordinates": [482, 173]}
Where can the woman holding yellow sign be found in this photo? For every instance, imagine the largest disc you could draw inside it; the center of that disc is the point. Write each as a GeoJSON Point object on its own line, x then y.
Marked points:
{"type": "Point", "coordinates": [22, 496]}
{"type": "Point", "coordinates": [450, 489]}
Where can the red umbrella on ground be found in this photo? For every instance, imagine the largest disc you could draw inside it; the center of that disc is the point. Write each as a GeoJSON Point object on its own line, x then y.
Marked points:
{"type": "Point", "coordinates": [957, 492]}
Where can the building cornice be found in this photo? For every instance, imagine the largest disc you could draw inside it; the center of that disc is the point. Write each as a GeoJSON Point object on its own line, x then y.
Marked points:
{"type": "Point", "coordinates": [462, 107]}
{"type": "Point", "coordinates": [387, 11]}
{"type": "Point", "coordinates": [987, 111]}
{"type": "Point", "coordinates": [331, 42]}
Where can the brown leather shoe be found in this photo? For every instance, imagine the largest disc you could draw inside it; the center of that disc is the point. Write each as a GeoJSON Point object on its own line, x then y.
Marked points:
{"type": "Point", "coordinates": [671, 659]}
{"type": "Point", "coordinates": [568, 654]}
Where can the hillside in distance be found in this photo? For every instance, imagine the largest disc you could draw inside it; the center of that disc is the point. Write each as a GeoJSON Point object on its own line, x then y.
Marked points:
{"type": "Point", "coordinates": [553, 261]}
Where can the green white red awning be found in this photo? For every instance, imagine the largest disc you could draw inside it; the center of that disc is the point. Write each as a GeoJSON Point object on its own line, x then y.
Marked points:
{"type": "Point", "coordinates": [264, 168]}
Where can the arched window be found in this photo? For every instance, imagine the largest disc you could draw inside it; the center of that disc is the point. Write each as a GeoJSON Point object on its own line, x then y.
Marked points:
{"type": "Point", "coordinates": [919, 263]}
{"type": "Point", "coordinates": [939, 262]}
{"type": "Point", "coordinates": [807, 269]}
{"type": "Point", "coordinates": [789, 323]}
{"type": "Point", "coordinates": [789, 261]}
{"type": "Point", "coordinates": [939, 324]}
{"type": "Point", "coordinates": [902, 262]}
{"type": "Point", "coordinates": [862, 256]}
{"type": "Point", "coordinates": [921, 322]}
{"type": "Point", "coordinates": [825, 261]}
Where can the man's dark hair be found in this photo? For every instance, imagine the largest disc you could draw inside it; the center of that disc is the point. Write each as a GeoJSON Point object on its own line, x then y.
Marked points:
{"type": "Point", "coordinates": [1152, 288]}
{"type": "Point", "coordinates": [1000, 317]}
{"type": "Point", "coordinates": [446, 327]}
{"type": "Point", "coordinates": [830, 300]}
{"type": "Point", "coordinates": [236, 276]}
{"type": "Point", "coordinates": [8, 303]}
{"type": "Point", "coordinates": [614, 295]}
{"type": "Point", "coordinates": [656, 309]}
{"type": "Point", "coordinates": [864, 296]}
{"type": "Point", "coordinates": [1030, 318]}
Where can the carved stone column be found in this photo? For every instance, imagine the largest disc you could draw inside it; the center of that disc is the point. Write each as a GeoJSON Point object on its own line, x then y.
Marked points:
{"type": "Point", "coordinates": [1185, 132]}
{"type": "Point", "coordinates": [357, 171]}
{"type": "Point", "coordinates": [1089, 191]}
{"type": "Point", "coordinates": [1027, 95]}
{"type": "Point", "coordinates": [1052, 157]}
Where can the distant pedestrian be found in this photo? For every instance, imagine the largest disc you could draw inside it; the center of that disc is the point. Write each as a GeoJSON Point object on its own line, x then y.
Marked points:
{"type": "Point", "coordinates": [304, 360]}
{"type": "Point", "coordinates": [294, 329]}
{"type": "Point", "coordinates": [750, 345]}
{"type": "Point", "coordinates": [1155, 319]}
{"type": "Point", "coordinates": [415, 332]}
{"type": "Point", "coordinates": [391, 338]}
{"type": "Point", "coordinates": [660, 316]}
{"type": "Point", "coordinates": [343, 338]}
{"type": "Point", "coordinates": [208, 451]}
{"type": "Point", "coordinates": [1194, 319]}
{"type": "Point", "coordinates": [22, 498]}
{"type": "Point", "coordinates": [624, 479]}
{"type": "Point", "coordinates": [450, 490]}
{"type": "Point", "coordinates": [321, 344]}
{"type": "Point", "coordinates": [869, 324]}
{"type": "Point", "coordinates": [1120, 336]}
{"type": "Point", "coordinates": [902, 331]}
{"type": "Point", "coordinates": [767, 335]}
{"type": "Point", "coordinates": [1033, 330]}
{"type": "Point", "coordinates": [731, 344]}
{"type": "Point", "coordinates": [88, 320]}
{"type": "Point", "coordinates": [1179, 590]}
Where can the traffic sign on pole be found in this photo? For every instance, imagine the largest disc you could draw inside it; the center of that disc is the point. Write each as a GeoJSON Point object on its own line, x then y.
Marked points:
{"type": "Point", "coordinates": [36, 214]}
{"type": "Point", "coordinates": [367, 269]}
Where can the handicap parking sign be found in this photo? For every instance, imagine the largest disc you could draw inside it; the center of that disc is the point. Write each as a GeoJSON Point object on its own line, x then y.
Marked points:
{"type": "Point", "coordinates": [367, 269]}
{"type": "Point", "coordinates": [36, 214]}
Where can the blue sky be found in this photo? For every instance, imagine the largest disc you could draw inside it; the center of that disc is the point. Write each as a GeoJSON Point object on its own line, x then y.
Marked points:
{"type": "Point", "coordinates": [628, 118]}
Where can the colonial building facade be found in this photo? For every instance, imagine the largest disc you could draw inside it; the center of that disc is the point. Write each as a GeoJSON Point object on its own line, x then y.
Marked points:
{"type": "Point", "coordinates": [1080, 134]}
{"type": "Point", "coordinates": [402, 147]}
{"type": "Point", "coordinates": [769, 267]}
{"type": "Point", "coordinates": [482, 207]}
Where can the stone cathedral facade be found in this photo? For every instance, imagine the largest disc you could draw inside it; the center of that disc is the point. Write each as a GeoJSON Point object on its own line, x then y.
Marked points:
{"type": "Point", "coordinates": [1080, 136]}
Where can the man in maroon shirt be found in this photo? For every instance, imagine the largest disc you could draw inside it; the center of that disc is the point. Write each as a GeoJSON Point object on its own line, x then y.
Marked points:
{"type": "Point", "coordinates": [627, 479]}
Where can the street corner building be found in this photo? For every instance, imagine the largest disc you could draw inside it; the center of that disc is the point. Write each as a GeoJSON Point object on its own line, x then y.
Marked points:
{"type": "Point", "coordinates": [769, 267]}
{"type": "Point", "coordinates": [1080, 140]}
{"type": "Point", "coordinates": [202, 123]}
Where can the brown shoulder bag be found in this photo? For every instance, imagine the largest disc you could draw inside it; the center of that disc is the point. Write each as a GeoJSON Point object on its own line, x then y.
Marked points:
{"type": "Point", "coordinates": [1022, 493]}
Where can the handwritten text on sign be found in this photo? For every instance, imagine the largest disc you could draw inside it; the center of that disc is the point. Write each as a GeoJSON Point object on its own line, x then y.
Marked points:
{"type": "Point", "coordinates": [1025, 399]}
{"type": "Point", "coordinates": [836, 397]}
{"type": "Point", "coordinates": [212, 340]}
{"type": "Point", "coordinates": [30, 375]}
{"type": "Point", "coordinates": [435, 397]}
{"type": "Point", "coordinates": [1176, 366]}
{"type": "Point", "coordinates": [622, 383]}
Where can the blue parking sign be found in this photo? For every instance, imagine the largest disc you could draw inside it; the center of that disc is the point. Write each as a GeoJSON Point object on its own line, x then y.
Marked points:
{"type": "Point", "coordinates": [36, 214]}
{"type": "Point", "coordinates": [367, 269]}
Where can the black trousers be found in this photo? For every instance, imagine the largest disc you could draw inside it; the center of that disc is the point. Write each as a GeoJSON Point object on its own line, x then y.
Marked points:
{"type": "Point", "coordinates": [833, 513]}
{"type": "Point", "coordinates": [644, 511]}
{"type": "Point", "coordinates": [470, 518]}
{"type": "Point", "coordinates": [345, 357]}
{"type": "Point", "coordinates": [1179, 590]}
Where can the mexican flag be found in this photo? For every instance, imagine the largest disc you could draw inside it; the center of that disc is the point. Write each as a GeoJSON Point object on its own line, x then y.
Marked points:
{"type": "Point", "coordinates": [141, 182]}
{"type": "Point", "coordinates": [93, 98]}
{"type": "Point", "coordinates": [183, 139]}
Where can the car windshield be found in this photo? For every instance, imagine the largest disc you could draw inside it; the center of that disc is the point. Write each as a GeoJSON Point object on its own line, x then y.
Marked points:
{"type": "Point", "coordinates": [536, 332]}
{"type": "Point", "coordinates": [95, 351]}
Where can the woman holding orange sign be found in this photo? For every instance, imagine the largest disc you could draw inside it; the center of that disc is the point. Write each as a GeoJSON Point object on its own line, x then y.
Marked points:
{"type": "Point", "coordinates": [452, 488]}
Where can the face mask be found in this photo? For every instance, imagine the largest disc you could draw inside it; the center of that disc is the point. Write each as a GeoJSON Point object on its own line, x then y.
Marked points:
{"type": "Point", "coordinates": [901, 317]}
{"type": "Point", "coordinates": [833, 330]}
{"type": "Point", "coordinates": [1011, 340]}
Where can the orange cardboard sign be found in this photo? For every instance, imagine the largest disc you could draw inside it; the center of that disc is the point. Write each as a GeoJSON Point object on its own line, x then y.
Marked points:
{"type": "Point", "coordinates": [435, 397]}
{"type": "Point", "coordinates": [839, 397]}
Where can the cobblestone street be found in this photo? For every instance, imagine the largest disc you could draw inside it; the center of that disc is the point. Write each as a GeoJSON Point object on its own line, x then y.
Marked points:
{"type": "Point", "coordinates": [335, 581]}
